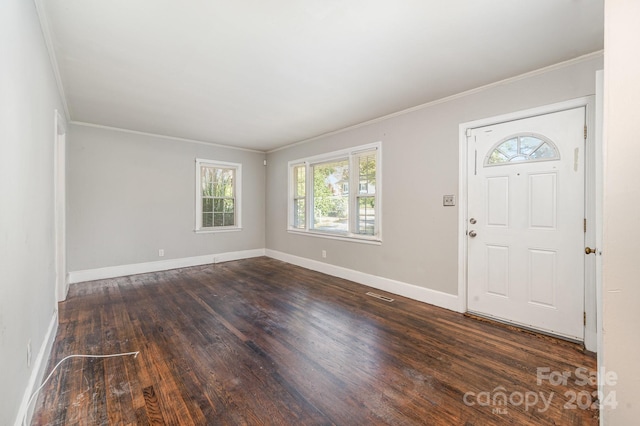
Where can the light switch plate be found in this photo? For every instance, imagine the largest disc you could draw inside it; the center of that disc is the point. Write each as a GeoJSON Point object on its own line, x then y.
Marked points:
{"type": "Point", "coordinates": [448, 200]}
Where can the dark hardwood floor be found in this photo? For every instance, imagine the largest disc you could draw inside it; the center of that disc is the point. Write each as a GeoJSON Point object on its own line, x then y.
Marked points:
{"type": "Point", "coordinates": [259, 341]}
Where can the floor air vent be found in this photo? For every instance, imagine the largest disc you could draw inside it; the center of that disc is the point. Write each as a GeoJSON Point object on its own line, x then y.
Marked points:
{"type": "Point", "coordinates": [379, 296]}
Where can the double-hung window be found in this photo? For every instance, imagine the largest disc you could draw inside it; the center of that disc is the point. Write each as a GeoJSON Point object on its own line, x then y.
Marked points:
{"type": "Point", "coordinates": [217, 196]}
{"type": "Point", "coordinates": [337, 194]}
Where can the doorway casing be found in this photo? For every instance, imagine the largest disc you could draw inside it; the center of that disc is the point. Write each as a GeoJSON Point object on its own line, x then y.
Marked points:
{"type": "Point", "coordinates": [59, 183]}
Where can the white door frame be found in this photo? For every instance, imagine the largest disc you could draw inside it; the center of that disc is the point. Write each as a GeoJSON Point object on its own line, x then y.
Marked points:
{"type": "Point", "coordinates": [591, 203]}
{"type": "Point", "coordinates": [59, 185]}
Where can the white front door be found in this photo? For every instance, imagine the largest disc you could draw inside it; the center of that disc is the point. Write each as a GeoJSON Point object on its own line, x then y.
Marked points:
{"type": "Point", "coordinates": [526, 222]}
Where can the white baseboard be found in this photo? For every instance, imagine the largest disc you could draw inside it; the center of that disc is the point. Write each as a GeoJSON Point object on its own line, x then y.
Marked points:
{"type": "Point", "coordinates": [422, 294]}
{"type": "Point", "coordinates": [161, 265]}
{"type": "Point", "coordinates": [37, 372]}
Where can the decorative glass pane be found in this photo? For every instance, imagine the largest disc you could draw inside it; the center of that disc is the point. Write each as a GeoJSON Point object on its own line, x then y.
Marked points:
{"type": "Point", "coordinates": [528, 144]}
{"type": "Point", "coordinates": [545, 151]}
{"type": "Point", "coordinates": [510, 147]}
{"type": "Point", "coordinates": [497, 157]}
{"type": "Point", "coordinates": [522, 148]}
{"type": "Point", "coordinates": [330, 202]}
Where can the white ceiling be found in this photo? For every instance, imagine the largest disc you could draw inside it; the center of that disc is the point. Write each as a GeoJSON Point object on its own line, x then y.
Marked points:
{"type": "Point", "coordinates": [262, 74]}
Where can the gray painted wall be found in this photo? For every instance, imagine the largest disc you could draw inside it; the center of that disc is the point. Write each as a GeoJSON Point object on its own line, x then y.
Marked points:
{"type": "Point", "coordinates": [28, 98]}
{"type": "Point", "coordinates": [129, 195]}
{"type": "Point", "coordinates": [420, 165]}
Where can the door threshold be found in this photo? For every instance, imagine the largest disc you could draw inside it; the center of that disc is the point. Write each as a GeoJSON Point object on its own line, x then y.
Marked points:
{"type": "Point", "coordinates": [552, 338]}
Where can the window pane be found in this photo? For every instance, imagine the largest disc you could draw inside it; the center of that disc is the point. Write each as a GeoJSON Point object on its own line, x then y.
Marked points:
{"type": "Point", "coordinates": [299, 214]}
{"type": "Point", "coordinates": [366, 219]}
{"type": "Point", "coordinates": [299, 181]}
{"type": "Point", "coordinates": [207, 205]}
{"type": "Point", "coordinates": [229, 204]}
{"type": "Point", "coordinates": [497, 157]}
{"type": "Point", "coordinates": [330, 196]}
{"type": "Point", "coordinates": [228, 219]}
{"type": "Point", "coordinates": [367, 173]}
{"type": "Point", "coordinates": [510, 147]}
{"type": "Point", "coordinates": [205, 180]}
{"type": "Point", "coordinates": [218, 205]}
{"type": "Point", "coordinates": [218, 219]}
{"type": "Point", "coordinates": [223, 182]}
{"type": "Point", "coordinates": [528, 144]}
{"type": "Point", "coordinates": [207, 220]}
{"type": "Point", "coordinates": [207, 189]}
{"type": "Point", "coordinates": [545, 151]}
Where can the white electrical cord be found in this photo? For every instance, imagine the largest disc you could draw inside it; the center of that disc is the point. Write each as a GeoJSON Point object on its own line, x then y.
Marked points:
{"type": "Point", "coordinates": [24, 419]}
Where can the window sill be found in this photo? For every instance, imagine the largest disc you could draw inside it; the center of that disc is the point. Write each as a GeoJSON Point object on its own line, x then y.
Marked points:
{"type": "Point", "coordinates": [215, 231]}
{"type": "Point", "coordinates": [354, 239]}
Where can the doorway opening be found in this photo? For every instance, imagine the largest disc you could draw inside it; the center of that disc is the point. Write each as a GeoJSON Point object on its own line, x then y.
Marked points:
{"type": "Point", "coordinates": [527, 212]}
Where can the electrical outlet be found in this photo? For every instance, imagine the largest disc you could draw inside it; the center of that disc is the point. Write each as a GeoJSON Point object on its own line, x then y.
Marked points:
{"type": "Point", "coordinates": [324, 254]}
{"type": "Point", "coordinates": [29, 353]}
{"type": "Point", "coordinates": [161, 253]}
{"type": "Point", "coordinates": [448, 200]}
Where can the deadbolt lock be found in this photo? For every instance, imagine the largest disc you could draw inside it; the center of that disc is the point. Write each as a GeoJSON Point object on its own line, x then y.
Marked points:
{"type": "Point", "coordinates": [472, 221]}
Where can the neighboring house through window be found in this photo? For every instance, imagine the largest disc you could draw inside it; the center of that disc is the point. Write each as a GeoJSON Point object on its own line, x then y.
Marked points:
{"type": "Point", "coordinates": [337, 194]}
{"type": "Point", "coordinates": [217, 196]}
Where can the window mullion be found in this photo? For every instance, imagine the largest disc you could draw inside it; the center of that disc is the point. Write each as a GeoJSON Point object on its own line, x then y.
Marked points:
{"type": "Point", "coordinates": [308, 193]}
{"type": "Point", "coordinates": [354, 178]}
{"type": "Point", "coordinates": [376, 196]}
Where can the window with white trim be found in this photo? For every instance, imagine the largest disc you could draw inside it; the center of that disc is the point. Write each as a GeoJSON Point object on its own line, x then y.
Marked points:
{"type": "Point", "coordinates": [337, 194]}
{"type": "Point", "coordinates": [217, 195]}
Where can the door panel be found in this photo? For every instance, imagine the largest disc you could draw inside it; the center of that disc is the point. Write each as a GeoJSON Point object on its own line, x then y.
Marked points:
{"type": "Point", "coordinates": [542, 277]}
{"type": "Point", "coordinates": [498, 201]}
{"type": "Point", "coordinates": [498, 270]}
{"type": "Point", "coordinates": [525, 251]}
{"type": "Point", "coordinates": [542, 201]}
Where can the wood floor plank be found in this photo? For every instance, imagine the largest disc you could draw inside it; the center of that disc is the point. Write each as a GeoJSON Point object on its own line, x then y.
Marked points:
{"type": "Point", "coordinates": [259, 341]}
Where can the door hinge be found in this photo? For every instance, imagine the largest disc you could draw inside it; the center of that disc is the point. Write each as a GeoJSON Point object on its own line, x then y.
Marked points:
{"type": "Point", "coordinates": [468, 132]}
{"type": "Point", "coordinates": [584, 318]}
{"type": "Point", "coordinates": [585, 132]}
{"type": "Point", "coordinates": [585, 225]}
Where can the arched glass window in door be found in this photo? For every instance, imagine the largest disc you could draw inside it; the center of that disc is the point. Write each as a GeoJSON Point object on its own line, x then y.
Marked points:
{"type": "Point", "coordinates": [522, 148]}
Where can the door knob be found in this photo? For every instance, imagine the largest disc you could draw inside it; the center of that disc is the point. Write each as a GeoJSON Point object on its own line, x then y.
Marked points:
{"type": "Point", "coordinates": [589, 250]}
{"type": "Point", "coordinates": [472, 234]}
